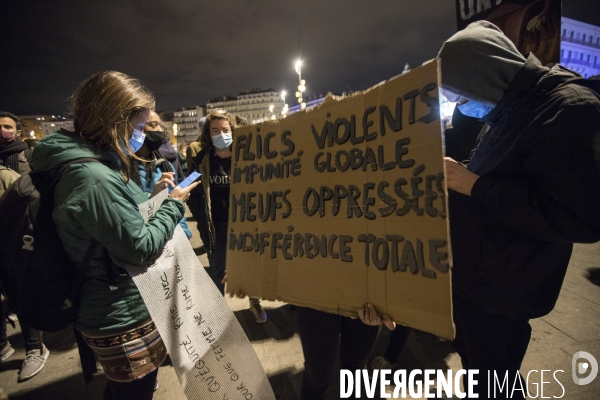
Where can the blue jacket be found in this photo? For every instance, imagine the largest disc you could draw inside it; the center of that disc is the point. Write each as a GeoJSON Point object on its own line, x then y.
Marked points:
{"type": "Point", "coordinates": [147, 186]}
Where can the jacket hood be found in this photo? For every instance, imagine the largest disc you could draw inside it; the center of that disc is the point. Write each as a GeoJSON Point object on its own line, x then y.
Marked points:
{"type": "Point", "coordinates": [479, 63]}
{"type": "Point", "coordinates": [59, 147]}
{"type": "Point", "coordinates": [167, 151]}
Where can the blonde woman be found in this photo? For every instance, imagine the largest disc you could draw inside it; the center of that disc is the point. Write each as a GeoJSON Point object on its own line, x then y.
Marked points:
{"type": "Point", "coordinates": [96, 212]}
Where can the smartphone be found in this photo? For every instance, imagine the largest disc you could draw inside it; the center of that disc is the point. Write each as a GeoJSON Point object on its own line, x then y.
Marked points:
{"type": "Point", "coordinates": [194, 176]}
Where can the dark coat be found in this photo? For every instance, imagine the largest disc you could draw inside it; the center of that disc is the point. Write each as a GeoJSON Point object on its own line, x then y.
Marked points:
{"type": "Point", "coordinates": [538, 193]}
{"type": "Point", "coordinates": [200, 201]}
{"type": "Point", "coordinates": [13, 156]}
{"type": "Point", "coordinates": [462, 137]}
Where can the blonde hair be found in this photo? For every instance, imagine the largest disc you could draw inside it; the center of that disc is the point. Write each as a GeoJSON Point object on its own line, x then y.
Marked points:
{"type": "Point", "coordinates": [102, 107]}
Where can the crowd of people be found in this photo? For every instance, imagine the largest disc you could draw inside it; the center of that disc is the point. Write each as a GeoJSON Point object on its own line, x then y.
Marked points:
{"type": "Point", "coordinates": [528, 189]}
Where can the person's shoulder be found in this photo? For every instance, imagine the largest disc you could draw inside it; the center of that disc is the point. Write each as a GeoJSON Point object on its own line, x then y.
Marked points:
{"type": "Point", "coordinates": [201, 154]}
{"type": "Point", "coordinates": [571, 87]}
{"type": "Point", "coordinates": [195, 146]}
{"type": "Point", "coordinates": [7, 176]}
{"type": "Point", "coordinates": [93, 174]}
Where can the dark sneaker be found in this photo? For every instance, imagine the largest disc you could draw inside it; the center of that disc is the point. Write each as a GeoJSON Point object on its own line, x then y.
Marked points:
{"type": "Point", "coordinates": [34, 362]}
{"type": "Point", "coordinates": [156, 385]}
{"type": "Point", "coordinates": [259, 314]}
{"type": "Point", "coordinates": [6, 352]}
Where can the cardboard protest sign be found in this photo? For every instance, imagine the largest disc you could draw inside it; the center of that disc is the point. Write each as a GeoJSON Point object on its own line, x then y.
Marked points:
{"type": "Point", "coordinates": [532, 25]}
{"type": "Point", "coordinates": [211, 354]}
{"type": "Point", "coordinates": [345, 205]}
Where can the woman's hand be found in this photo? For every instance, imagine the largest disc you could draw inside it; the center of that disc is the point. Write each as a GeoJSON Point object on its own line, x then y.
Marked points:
{"type": "Point", "coordinates": [458, 177]}
{"type": "Point", "coordinates": [237, 293]}
{"type": "Point", "coordinates": [183, 194]}
{"type": "Point", "coordinates": [167, 179]}
{"type": "Point", "coordinates": [368, 315]}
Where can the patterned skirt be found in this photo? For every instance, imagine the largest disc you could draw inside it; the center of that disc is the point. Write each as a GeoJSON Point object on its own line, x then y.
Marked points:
{"type": "Point", "coordinates": [129, 355]}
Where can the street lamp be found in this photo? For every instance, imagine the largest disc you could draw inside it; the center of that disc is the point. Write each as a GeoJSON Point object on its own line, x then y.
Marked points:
{"type": "Point", "coordinates": [301, 86]}
{"type": "Point", "coordinates": [285, 106]}
{"type": "Point", "coordinates": [298, 67]}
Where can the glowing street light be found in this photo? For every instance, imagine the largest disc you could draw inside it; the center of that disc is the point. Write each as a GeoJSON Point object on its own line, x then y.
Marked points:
{"type": "Point", "coordinates": [284, 110]}
{"type": "Point", "coordinates": [301, 86]}
{"type": "Point", "coordinates": [298, 67]}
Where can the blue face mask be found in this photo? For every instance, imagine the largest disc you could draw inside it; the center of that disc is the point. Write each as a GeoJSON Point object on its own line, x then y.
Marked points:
{"type": "Point", "coordinates": [137, 140]}
{"type": "Point", "coordinates": [474, 109]}
{"type": "Point", "coordinates": [222, 141]}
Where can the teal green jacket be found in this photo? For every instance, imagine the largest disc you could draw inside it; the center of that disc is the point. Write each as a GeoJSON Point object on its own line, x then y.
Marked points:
{"type": "Point", "coordinates": [93, 201]}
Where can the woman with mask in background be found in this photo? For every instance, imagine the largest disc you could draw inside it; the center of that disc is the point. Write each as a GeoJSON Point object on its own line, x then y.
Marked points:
{"type": "Point", "coordinates": [214, 163]}
{"type": "Point", "coordinates": [96, 214]}
{"type": "Point", "coordinates": [155, 124]}
{"type": "Point", "coordinates": [155, 173]}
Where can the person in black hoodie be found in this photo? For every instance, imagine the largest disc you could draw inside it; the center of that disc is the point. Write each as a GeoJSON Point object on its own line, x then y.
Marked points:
{"type": "Point", "coordinates": [530, 190]}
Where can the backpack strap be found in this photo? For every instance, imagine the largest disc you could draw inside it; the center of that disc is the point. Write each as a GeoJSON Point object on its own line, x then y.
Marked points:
{"type": "Point", "coordinates": [110, 273]}
{"type": "Point", "coordinates": [81, 274]}
{"type": "Point", "coordinates": [166, 166]}
{"type": "Point", "coordinates": [86, 264]}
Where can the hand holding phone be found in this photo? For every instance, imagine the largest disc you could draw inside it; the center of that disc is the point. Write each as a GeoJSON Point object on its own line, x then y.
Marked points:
{"type": "Point", "coordinates": [167, 181]}
{"type": "Point", "coordinates": [194, 176]}
{"type": "Point", "coordinates": [182, 191]}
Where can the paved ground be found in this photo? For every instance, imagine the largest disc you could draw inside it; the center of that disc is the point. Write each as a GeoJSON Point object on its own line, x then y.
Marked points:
{"type": "Point", "coordinates": [573, 326]}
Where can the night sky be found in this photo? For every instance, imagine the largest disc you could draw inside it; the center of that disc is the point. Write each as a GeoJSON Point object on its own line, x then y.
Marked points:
{"type": "Point", "coordinates": [189, 51]}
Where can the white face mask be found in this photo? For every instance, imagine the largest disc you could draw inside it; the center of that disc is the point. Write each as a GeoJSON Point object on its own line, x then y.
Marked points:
{"type": "Point", "coordinates": [451, 96]}
{"type": "Point", "coordinates": [137, 140]}
{"type": "Point", "coordinates": [474, 109]}
{"type": "Point", "coordinates": [222, 141]}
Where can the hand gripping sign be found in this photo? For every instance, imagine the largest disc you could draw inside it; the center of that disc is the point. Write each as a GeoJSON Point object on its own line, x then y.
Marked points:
{"type": "Point", "coordinates": [211, 354]}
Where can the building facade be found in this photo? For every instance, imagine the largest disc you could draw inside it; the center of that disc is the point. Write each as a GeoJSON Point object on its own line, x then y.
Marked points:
{"type": "Point", "coordinates": [38, 126]}
{"type": "Point", "coordinates": [316, 99]}
{"type": "Point", "coordinates": [49, 127]}
{"type": "Point", "coordinates": [185, 124]}
{"type": "Point", "coordinates": [256, 105]}
{"type": "Point", "coordinates": [580, 47]}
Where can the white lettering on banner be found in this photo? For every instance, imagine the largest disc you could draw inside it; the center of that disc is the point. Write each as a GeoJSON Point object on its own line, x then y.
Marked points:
{"type": "Point", "coordinates": [482, 5]}
{"type": "Point", "coordinates": [418, 384]}
{"type": "Point", "coordinates": [430, 383]}
{"type": "Point", "coordinates": [220, 180]}
{"type": "Point", "coordinates": [210, 352]}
